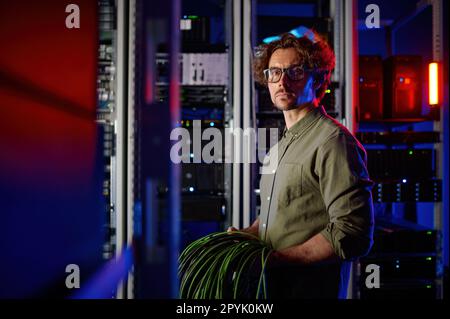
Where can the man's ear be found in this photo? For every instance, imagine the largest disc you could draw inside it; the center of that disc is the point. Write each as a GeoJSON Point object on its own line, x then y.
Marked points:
{"type": "Point", "coordinates": [319, 78]}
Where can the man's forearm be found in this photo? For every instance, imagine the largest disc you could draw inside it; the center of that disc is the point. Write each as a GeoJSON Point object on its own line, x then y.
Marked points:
{"type": "Point", "coordinates": [315, 250]}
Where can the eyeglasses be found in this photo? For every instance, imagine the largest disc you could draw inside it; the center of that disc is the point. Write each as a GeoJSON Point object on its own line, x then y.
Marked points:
{"type": "Point", "coordinates": [294, 73]}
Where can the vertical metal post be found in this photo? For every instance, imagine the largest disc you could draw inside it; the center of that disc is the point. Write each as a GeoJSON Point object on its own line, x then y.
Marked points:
{"type": "Point", "coordinates": [336, 12]}
{"type": "Point", "coordinates": [439, 126]}
{"type": "Point", "coordinates": [345, 17]}
{"type": "Point", "coordinates": [121, 126]}
{"type": "Point", "coordinates": [351, 63]}
{"type": "Point", "coordinates": [247, 105]}
{"type": "Point", "coordinates": [236, 122]}
{"type": "Point", "coordinates": [228, 114]}
{"type": "Point", "coordinates": [131, 133]}
{"type": "Point", "coordinates": [175, 170]}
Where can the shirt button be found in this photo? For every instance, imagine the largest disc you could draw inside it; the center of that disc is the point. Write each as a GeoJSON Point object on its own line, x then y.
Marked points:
{"type": "Point", "coordinates": [268, 198]}
{"type": "Point", "coordinates": [273, 171]}
{"type": "Point", "coordinates": [264, 225]}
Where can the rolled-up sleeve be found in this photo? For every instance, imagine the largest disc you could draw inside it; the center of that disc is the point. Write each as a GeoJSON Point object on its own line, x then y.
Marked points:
{"type": "Point", "coordinates": [346, 190]}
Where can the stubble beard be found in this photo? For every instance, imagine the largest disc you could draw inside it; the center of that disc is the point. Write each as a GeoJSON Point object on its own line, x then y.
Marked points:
{"type": "Point", "coordinates": [286, 107]}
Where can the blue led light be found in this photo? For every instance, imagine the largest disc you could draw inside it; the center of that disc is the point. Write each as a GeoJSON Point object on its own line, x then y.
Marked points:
{"type": "Point", "coordinates": [271, 39]}
{"type": "Point", "coordinates": [211, 124]}
{"type": "Point", "coordinates": [298, 32]}
{"type": "Point", "coordinates": [191, 189]}
{"type": "Point", "coordinates": [192, 155]}
{"type": "Point", "coordinates": [404, 181]}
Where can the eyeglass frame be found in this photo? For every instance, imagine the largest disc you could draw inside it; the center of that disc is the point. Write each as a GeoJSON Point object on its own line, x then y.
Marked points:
{"type": "Point", "coordinates": [284, 70]}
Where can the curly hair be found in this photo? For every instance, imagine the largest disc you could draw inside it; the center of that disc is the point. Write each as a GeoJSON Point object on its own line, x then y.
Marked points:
{"type": "Point", "coordinates": [316, 55]}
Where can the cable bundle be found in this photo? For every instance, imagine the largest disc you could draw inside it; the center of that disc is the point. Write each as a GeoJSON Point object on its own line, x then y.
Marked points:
{"type": "Point", "coordinates": [224, 265]}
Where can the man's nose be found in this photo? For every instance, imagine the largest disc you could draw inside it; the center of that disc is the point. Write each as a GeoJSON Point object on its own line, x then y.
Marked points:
{"type": "Point", "coordinates": [284, 80]}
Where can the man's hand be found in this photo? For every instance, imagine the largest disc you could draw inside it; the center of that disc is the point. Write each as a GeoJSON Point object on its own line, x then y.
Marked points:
{"type": "Point", "coordinates": [253, 229]}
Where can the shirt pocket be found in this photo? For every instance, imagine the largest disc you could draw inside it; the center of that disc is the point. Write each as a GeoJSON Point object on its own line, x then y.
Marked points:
{"type": "Point", "coordinates": [289, 180]}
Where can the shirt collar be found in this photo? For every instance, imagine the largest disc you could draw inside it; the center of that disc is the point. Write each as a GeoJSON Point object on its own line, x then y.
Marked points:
{"type": "Point", "coordinates": [299, 126]}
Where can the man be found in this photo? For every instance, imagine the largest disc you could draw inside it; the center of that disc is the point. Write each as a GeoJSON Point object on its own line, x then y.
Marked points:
{"type": "Point", "coordinates": [316, 207]}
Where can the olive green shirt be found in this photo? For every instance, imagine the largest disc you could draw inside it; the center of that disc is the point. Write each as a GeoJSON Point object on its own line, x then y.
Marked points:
{"type": "Point", "coordinates": [320, 185]}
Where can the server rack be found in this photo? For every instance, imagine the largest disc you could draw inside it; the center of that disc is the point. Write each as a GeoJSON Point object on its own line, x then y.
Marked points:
{"type": "Point", "coordinates": [412, 265]}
